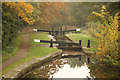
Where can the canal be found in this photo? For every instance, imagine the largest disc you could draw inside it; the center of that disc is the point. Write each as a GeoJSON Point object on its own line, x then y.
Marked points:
{"type": "Point", "coordinates": [74, 64]}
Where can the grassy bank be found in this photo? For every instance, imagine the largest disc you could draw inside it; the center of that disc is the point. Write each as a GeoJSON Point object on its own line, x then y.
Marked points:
{"type": "Point", "coordinates": [15, 44]}
{"type": "Point", "coordinates": [40, 36]}
{"type": "Point", "coordinates": [34, 51]}
{"type": "Point", "coordinates": [84, 38]}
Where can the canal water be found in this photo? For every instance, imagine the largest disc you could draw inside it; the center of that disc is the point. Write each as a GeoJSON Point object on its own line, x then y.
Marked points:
{"type": "Point", "coordinates": [65, 67]}
{"type": "Point", "coordinates": [73, 66]}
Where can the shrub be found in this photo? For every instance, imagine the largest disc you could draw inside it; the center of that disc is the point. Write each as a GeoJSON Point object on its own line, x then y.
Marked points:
{"type": "Point", "coordinates": [107, 35]}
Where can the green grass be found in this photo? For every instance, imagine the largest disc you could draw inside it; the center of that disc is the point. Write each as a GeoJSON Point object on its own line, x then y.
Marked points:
{"type": "Point", "coordinates": [41, 36]}
{"type": "Point", "coordinates": [34, 52]}
{"type": "Point", "coordinates": [84, 38]}
{"type": "Point", "coordinates": [16, 43]}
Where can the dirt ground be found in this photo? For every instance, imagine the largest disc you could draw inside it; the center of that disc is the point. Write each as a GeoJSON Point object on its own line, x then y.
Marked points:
{"type": "Point", "coordinates": [23, 51]}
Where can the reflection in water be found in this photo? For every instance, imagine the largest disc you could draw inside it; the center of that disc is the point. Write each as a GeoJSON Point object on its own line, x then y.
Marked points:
{"type": "Point", "coordinates": [77, 62]}
{"type": "Point", "coordinates": [62, 68]}
{"type": "Point", "coordinates": [78, 67]}
{"type": "Point", "coordinates": [46, 70]}
{"type": "Point", "coordinates": [75, 68]}
{"type": "Point", "coordinates": [68, 72]}
{"type": "Point", "coordinates": [102, 70]}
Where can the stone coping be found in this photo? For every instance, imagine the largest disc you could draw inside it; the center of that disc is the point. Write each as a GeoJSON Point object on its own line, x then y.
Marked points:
{"type": "Point", "coordinates": [84, 49]}
{"type": "Point", "coordinates": [22, 69]}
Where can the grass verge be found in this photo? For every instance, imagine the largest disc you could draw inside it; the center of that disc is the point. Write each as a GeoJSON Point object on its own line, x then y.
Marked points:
{"type": "Point", "coordinates": [16, 42]}
{"type": "Point", "coordinates": [40, 36]}
{"type": "Point", "coordinates": [34, 51]}
{"type": "Point", "coordinates": [84, 38]}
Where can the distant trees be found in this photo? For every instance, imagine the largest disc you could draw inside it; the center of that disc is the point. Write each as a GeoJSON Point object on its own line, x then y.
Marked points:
{"type": "Point", "coordinates": [75, 14]}
{"type": "Point", "coordinates": [49, 13]}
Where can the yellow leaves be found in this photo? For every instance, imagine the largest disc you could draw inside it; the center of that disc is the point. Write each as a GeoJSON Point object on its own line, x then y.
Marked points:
{"type": "Point", "coordinates": [103, 13]}
{"type": "Point", "coordinates": [103, 7]}
{"type": "Point", "coordinates": [107, 35]}
{"type": "Point", "coordinates": [28, 8]}
{"type": "Point", "coordinates": [25, 19]}
{"type": "Point", "coordinates": [33, 20]}
{"type": "Point", "coordinates": [23, 10]}
{"type": "Point", "coordinates": [102, 10]}
{"type": "Point", "coordinates": [99, 35]}
{"type": "Point", "coordinates": [101, 59]}
{"type": "Point", "coordinates": [99, 48]}
{"type": "Point", "coordinates": [8, 3]}
{"type": "Point", "coordinates": [93, 12]}
{"type": "Point", "coordinates": [98, 14]}
{"type": "Point", "coordinates": [11, 4]}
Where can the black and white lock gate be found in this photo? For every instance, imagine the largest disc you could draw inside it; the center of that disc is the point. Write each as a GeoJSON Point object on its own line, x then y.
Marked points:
{"type": "Point", "coordinates": [61, 42]}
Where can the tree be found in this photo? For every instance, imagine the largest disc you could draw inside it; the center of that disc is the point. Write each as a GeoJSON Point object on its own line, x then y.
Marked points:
{"type": "Point", "coordinates": [22, 10]}
{"type": "Point", "coordinates": [13, 22]}
{"type": "Point", "coordinates": [107, 36]}
{"type": "Point", "coordinates": [49, 12]}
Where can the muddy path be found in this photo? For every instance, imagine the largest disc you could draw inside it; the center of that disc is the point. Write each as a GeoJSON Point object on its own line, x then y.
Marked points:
{"type": "Point", "coordinates": [23, 51]}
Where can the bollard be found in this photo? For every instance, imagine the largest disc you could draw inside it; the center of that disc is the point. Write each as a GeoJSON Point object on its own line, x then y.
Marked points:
{"type": "Point", "coordinates": [63, 33]}
{"type": "Point", "coordinates": [80, 58]}
{"type": "Point", "coordinates": [49, 33]}
{"type": "Point", "coordinates": [80, 42]}
{"type": "Point", "coordinates": [88, 44]}
{"type": "Point", "coordinates": [51, 44]}
{"type": "Point", "coordinates": [56, 33]}
{"type": "Point", "coordinates": [52, 33]}
{"type": "Point", "coordinates": [3, 78]}
{"type": "Point", "coordinates": [88, 60]}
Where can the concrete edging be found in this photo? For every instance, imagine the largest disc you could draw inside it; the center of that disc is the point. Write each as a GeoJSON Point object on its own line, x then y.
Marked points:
{"type": "Point", "coordinates": [22, 69]}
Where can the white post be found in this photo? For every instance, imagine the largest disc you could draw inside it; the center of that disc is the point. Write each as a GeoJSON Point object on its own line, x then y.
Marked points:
{"type": "Point", "coordinates": [77, 29]}
{"type": "Point", "coordinates": [70, 33]}
{"type": "Point", "coordinates": [35, 30]}
{"type": "Point", "coordinates": [36, 40]}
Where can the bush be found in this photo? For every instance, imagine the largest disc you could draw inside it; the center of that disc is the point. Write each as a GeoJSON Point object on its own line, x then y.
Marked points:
{"type": "Point", "coordinates": [107, 35]}
{"type": "Point", "coordinates": [9, 49]}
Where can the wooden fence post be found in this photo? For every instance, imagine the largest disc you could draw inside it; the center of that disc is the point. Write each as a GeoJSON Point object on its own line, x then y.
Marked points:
{"type": "Point", "coordinates": [88, 44]}
{"type": "Point", "coordinates": [51, 44]}
{"type": "Point", "coordinates": [80, 42]}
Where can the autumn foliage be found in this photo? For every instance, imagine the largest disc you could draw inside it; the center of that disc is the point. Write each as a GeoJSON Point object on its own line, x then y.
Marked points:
{"type": "Point", "coordinates": [107, 35]}
{"type": "Point", "coordinates": [22, 10]}
{"type": "Point", "coordinates": [15, 16]}
{"type": "Point", "coordinates": [18, 15]}
{"type": "Point", "coordinates": [49, 12]}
